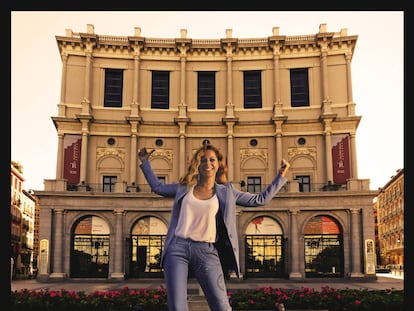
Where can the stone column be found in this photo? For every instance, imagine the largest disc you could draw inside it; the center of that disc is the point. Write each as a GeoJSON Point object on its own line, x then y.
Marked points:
{"type": "Point", "coordinates": [135, 103]}
{"type": "Point", "coordinates": [230, 150]}
{"type": "Point", "coordinates": [59, 162]}
{"type": "Point", "coordinates": [118, 249]}
{"type": "Point", "coordinates": [182, 107]}
{"type": "Point", "coordinates": [134, 121]}
{"type": "Point", "coordinates": [355, 243]}
{"type": "Point", "coordinates": [278, 117]}
{"type": "Point", "coordinates": [182, 159]}
{"type": "Point", "coordinates": [134, 155]}
{"type": "Point", "coordinates": [294, 247]}
{"type": "Point", "coordinates": [182, 118]}
{"type": "Point", "coordinates": [57, 246]}
{"type": "Point", "coordinates": [328, 152]}
{"type": "Point", "coordinates": [229, 117]}
{"type": "Point", "coordinates": [279, 145]}
{"type": "Point", "coordinates": [277, 109]}
{"type": "Point", "coordinates": [88, 71]}
{"type": "Point", "coordinates": [351, 104]}
{"type": "Point", "coordinates": [84, 156]}
{"type": "Point", "coordinates": [324, 74]}
{"type": "Point", "coordinates": [229, 83]}
{"type": "Point", "coordinates": [354, 162]}
{"type": "Point", "coordinates": [62, 106]}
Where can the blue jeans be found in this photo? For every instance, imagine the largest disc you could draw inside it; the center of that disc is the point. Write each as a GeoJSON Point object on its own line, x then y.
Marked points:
{"type": "Point", "coordinates": [204, 261]}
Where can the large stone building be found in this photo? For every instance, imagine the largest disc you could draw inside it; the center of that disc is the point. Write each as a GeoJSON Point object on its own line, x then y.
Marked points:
{"type": "Point", "coordinates": [258, 99]}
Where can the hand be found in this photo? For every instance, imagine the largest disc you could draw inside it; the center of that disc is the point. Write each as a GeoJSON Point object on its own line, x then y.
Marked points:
{"type": "Point", "coordinates": [284, 167]}
{"type": "Point", "coordinates": [143, 154]}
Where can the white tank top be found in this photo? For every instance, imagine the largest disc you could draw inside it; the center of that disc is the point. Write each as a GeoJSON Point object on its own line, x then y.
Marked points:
{"type": "Point", "coordinates": [197, 219]}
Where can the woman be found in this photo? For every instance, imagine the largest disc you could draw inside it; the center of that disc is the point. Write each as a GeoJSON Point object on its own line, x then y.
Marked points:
{"type": "Point", "coordinates": [202, 234]}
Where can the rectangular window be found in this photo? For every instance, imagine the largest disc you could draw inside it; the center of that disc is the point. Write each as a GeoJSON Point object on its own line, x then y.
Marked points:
{"type": "Point", "coordinates": [304, 183]}
{"type": "Point", "coordinates": [113, 87]}
{"type": "Point", "coordinates": [254, 184]}
{"type": "Point", "coordinates": [147, 250]}
{"type": "Point", "coordinates": [252, 89]}
{"type": "Point", "coordinates": [90, 256]}
{"type": "Point", "coordinates": [299, 87]}
{"type": "Point", "coordinates": [109, 183]}
{"type": "Point", "coordinates": [160, 90]}
{"type": "Point", "coordinates": [323, 252]}
{"type": "Point", "coordinates": [206, 90]}
{"type": "Point", "coordinates": [162, 179]}
{"type": "Point", "coordinates": [264, 256]}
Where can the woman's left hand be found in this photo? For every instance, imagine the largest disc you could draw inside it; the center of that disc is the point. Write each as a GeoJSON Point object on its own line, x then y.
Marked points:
{"type": "Point", "coordinates": [143, 154]}
{"type": "Point", "coordinates": [284, 167]}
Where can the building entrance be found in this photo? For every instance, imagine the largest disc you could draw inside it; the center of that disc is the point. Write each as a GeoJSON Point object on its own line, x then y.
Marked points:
{"type": "Point", "coordinates": [323, 248]}
{"type": "Point", "coordinates": [264, 248]}
{"type": "Point", "coordinates": [90, 249]}
{"type": "Point", "coordinates": [146, 246]}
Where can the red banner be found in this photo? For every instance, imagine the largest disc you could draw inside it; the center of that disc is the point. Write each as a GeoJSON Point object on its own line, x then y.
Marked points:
{"type": "Point", "coordinates": [72, 155]}
{"type": "Point", "coordinates": [340, 159]}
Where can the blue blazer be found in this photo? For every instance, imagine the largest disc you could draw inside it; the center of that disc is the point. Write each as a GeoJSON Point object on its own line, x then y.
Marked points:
{"type": "Point", "coordinates": [228, 197]}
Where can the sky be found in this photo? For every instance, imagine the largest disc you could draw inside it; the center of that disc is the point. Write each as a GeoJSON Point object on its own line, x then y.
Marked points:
{"type": "Point", "coordinates": [377, 70]}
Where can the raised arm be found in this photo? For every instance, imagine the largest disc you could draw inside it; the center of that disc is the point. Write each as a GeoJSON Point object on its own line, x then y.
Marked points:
{"type": "Point", "coordinates": [143, 154]}
{"type": "Point", "coordinates": [166, 190]}
{"type": "Point", "coordinates": [260, 199]}
{"type": "Point", "coordinates": [284, 167]}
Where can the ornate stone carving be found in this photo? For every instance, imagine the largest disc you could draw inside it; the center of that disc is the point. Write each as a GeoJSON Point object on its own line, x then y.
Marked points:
{"type": "Point", "coordinates": [261, 153]}
{"type": "Point", "coordinates": [164, 153]}
{"type": "Point", "coordinates": [309, 151]}
{"type": "Point", "coordinates": [118, 152]}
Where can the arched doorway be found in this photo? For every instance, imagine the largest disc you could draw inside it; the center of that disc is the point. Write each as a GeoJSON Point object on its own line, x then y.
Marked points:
{"type": "Point", "coordinates": [264, 248]}
{"type": "Point", "coordinates": [90, 248]}
{"type": "Point", "coordinates": [323, 248]}
{"type": "Point", "coordinates": [146, 245]}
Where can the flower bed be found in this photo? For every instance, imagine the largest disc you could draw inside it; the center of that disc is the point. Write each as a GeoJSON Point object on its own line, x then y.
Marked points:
{"type": "Point", "coordinates": [263, 298]}
{"type": "Point", "coordinates": [268, 298]}
{"type": "Point", "coordinates": [116, 300]}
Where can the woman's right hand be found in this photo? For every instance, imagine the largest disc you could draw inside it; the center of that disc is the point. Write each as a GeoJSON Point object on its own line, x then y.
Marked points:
{"type": "Point", "coordinates": [143, 154]}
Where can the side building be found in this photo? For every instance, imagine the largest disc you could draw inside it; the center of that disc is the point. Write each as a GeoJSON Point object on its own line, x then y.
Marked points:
{"type": "Point", "coordinates": [258, 99]}
{"type": "Point", "coordinates": [24, 210]}
{"type": "Point", "coordinates": [389, 210]}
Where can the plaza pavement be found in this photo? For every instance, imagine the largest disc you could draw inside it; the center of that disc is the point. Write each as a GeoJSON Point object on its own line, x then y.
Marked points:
{"type": "Point", "coordinates": [382, 281]}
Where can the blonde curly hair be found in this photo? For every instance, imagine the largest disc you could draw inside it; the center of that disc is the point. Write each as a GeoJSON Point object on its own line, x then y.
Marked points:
{"type": "Point", "coordinates": [192, 175]}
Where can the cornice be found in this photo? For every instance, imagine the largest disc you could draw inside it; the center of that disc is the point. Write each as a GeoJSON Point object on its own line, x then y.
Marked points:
{"type": "Point", "coordinates": [335, 42]}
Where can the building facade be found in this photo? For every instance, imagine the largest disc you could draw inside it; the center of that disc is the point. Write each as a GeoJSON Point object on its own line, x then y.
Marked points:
{"type": "Point", "coordinates": [23, 211]}
{"type": "Point", "coordinates": [389, 210]}
{"type": "Point", "coordinates": [258, 99]}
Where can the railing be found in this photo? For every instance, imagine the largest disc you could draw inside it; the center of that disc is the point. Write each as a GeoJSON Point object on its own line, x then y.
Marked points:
{"type": "Point", "coordinates": [120, 187]}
